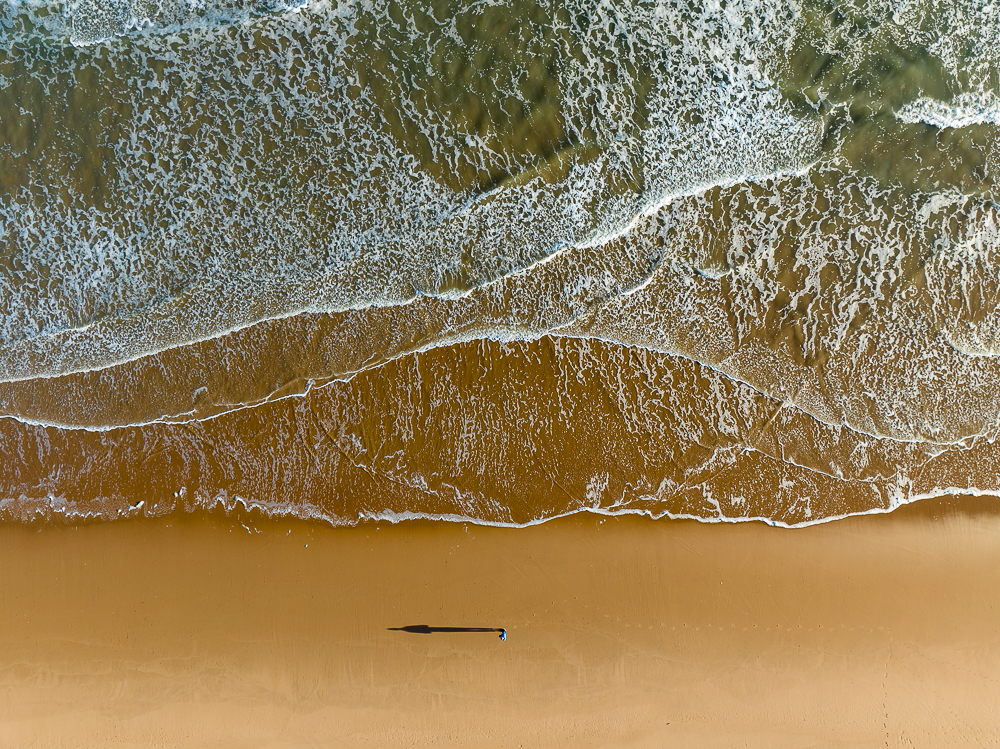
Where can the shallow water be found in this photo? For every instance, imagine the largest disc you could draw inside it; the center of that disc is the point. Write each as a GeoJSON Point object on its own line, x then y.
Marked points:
{"type": "Point", "coordinates": [497, 261]}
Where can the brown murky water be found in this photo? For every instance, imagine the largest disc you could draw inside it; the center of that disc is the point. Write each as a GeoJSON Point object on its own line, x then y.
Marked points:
{"type": "Point", "coordinates": [497, 263]}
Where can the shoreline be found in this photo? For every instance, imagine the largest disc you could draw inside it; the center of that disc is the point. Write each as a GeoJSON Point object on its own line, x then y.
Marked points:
{"type": "Point", "coordinates": [240, 511]}
{"type": "Point", "coordinates": [193, 631]}
{"type": "Point", "coordinates": [558, 426]}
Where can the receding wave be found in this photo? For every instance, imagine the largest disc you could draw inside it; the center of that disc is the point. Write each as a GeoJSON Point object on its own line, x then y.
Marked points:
{"type": "Point", "coordinates": [504, 433]}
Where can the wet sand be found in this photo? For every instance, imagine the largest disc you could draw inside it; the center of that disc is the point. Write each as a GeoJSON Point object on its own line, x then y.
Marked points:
{"type": "Point", "coordinates": [874, 631]}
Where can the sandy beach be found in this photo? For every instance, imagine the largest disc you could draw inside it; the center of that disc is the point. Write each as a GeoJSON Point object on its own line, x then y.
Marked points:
{"type": "Point", "coordinates": [200, 632]}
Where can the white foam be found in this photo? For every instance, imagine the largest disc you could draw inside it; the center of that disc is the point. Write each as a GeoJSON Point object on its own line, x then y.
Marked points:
{"type": "Point", "coordinates": [966, 109]}
{"type": "Point", "coordinates": [200, 236]}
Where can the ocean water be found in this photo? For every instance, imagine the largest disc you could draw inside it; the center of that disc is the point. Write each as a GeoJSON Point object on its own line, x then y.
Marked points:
{"type": "Point", "coordinates": [498, 261]}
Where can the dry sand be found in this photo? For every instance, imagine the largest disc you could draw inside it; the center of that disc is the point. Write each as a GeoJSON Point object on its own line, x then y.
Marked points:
{"type": "Point", "coordinates": [877, 631]}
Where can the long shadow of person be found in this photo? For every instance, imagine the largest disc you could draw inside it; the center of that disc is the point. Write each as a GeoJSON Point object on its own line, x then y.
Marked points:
{"type": "Point", "coordinates": [424, 629]}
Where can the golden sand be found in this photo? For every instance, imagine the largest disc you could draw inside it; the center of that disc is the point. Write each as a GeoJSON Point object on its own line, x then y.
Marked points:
{"type": "Point", "coordinates": [195, 632]}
